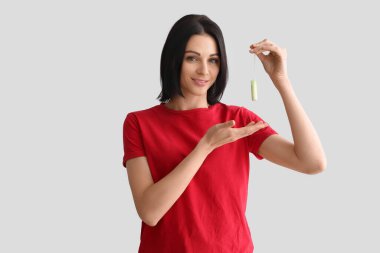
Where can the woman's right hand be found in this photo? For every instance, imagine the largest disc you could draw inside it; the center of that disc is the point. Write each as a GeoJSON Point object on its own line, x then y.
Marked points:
{"type": "Point", "coordinates": [224, 133]}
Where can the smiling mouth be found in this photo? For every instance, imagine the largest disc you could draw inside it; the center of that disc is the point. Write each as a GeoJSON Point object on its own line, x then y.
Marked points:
{"type": "Point", "coordinates": [200, 82]}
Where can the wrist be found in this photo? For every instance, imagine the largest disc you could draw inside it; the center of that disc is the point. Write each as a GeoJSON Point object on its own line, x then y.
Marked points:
{"type": "Point", "coordinates": [204, 147]}
{"type": "Point", "coordinates": [282, 83]}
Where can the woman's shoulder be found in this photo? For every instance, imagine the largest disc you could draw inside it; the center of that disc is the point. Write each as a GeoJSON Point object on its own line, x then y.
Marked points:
{"type": "Point", "coordinates": [239, 111]}
{"type": "Point", "coordinates": [232, 108]}
{"type": "Point", "coordinates": [135, 116]}
{"type": "Point", "coordinates": [146, 111]}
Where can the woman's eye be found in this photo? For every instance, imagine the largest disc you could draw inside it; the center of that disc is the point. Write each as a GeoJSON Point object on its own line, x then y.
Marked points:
{"type": "Point", "coordinates": [191, 58]}
{"type": "Point", "coordinates": [215, 61]}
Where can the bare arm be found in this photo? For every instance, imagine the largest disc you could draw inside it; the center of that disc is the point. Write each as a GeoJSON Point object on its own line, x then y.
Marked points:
{"type": "Point", "coordinates": [306, 154]}
{"type": "Point", "coordinates": [153, 200]}
{"type": "Point", "coordinates": [158, 197]}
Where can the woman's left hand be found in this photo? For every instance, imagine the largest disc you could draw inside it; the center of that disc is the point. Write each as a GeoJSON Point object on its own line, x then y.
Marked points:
{"type": "Point", "coordinates": [275, 62]}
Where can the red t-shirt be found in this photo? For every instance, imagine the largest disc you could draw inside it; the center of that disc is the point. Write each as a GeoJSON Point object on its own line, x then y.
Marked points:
{"type": "Point", "coordinates": [209, 216]}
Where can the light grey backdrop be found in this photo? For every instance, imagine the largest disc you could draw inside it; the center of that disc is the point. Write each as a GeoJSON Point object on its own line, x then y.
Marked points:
{"type": "Point", "coordinates": [70, 71]}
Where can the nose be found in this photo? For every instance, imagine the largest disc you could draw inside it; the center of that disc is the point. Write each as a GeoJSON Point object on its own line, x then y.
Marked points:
{"type": "Point", "coordinates": [203, 68]}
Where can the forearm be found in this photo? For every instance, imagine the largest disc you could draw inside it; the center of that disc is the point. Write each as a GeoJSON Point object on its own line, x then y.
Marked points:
{"type": "Point", "coordinates": [160, 197]}
{"type": "Point", "coordinates": [307, 145]}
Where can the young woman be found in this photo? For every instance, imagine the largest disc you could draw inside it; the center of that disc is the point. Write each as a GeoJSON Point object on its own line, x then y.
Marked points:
{"type": "Point", "coordinates": [187, 158]}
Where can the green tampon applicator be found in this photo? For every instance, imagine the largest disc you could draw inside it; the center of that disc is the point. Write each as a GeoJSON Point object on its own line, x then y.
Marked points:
{"type": "Point", "coordinates": [254, 90]}
{"type": "Point", "coordinates": [254, 83]}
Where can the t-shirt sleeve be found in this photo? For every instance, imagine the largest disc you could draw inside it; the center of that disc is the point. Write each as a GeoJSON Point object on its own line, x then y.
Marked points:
{"type": "Point", "coordinates": [256, 139]}
{"type": "Point", "coordinates": [132, 138]}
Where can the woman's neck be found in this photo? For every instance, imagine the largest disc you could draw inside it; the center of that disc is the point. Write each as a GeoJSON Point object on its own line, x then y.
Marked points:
{"type": "Point", "coordinates": [181, 104]}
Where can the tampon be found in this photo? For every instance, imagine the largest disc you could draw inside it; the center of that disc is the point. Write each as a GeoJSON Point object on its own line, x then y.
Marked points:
{"type": "Point", "coordinates": [253, 90]}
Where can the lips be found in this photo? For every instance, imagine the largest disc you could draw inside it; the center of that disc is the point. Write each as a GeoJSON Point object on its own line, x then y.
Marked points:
{"type": "Point", "coordinates": [200, 82]}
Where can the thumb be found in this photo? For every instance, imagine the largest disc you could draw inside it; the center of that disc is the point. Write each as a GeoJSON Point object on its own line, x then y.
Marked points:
{"type": "Point", "coordinates": [230, 123]}
{"type": "Point", "coordinates": [261, 57]}
{"type": "Point", "coordinates": [226, 124]}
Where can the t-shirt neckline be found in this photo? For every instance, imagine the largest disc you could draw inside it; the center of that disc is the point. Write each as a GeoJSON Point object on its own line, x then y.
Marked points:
{"type": "Point", "coordinates": [195, 110]}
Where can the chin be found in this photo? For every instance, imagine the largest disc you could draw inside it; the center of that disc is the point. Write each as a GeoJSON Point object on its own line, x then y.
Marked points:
{"type": "Point", "coordinates": [197, 93]}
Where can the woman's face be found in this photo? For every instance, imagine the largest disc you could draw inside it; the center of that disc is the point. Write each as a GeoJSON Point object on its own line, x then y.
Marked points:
{"type": "Point", "coordinates": [200, 66]}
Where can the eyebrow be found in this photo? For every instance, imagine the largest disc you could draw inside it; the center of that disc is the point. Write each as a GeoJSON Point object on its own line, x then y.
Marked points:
{"type": "Point", "coordinates": [191, 51]}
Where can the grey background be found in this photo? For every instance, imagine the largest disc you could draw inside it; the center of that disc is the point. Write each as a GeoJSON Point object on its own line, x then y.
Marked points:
{"type": "Point", "coordinates": [70, 71]}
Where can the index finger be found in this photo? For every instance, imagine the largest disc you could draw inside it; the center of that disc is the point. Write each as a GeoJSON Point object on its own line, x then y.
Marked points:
{"type": "Point", "coordinates": [250, 128]}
